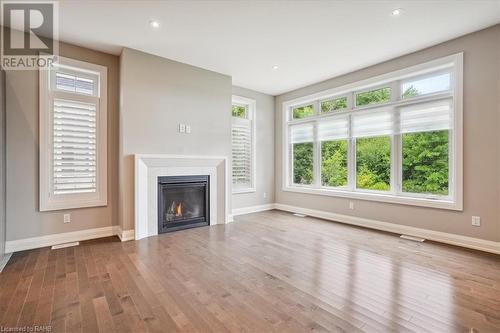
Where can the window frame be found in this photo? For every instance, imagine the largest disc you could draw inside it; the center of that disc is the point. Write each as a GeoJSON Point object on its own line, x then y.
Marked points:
{"type": "Point", "coordinates": [454, 199]}
{"type": "Point", "coordinates": [251, 110]}
{"type": "Point", "coordinates": [49, 201]}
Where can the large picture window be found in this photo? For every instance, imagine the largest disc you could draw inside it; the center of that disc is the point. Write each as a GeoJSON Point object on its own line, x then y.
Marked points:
{"type": "Point", "coordinates": [393, 138]}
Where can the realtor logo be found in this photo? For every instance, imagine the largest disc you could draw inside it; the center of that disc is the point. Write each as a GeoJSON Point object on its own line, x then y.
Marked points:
{"type": "Point", "coordinates": [29, 34]}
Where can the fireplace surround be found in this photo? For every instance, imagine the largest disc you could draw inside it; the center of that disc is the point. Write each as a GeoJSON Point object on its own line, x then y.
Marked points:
{"type": "Point", "coordinates": [148, 167]}
{"type": "Point", "coordinates": [183, 202]}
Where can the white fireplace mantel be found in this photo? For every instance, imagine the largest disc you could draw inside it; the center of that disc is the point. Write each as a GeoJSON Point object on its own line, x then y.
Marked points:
{"type": "Point", "coordinates": [148, 167]}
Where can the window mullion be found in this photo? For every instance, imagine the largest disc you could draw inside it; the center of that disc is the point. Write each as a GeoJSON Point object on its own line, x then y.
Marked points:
{"type": "Point", "coordinates": [316, 152]}
{"type": "Point", "coordinates": [352, 169]}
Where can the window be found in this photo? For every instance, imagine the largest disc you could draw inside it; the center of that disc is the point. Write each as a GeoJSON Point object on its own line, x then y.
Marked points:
{"type": "Point", "coordinates": [73, 141]}
{"type": "Point", "coordinates": [382, 95]}
{"type": "Point", "coordinates": [243, 144]}
{"type": "Point", "coordinates": [333, 135]}
{"type": "Point", "coordinates": [335, 104]}
{"type": "Point", "coordinates": [303, 111]}
{"type": "Point", "coordinates": [240, 111]}
{"type": "Point", "coordinates": [426, 85]}
{"type": "Point", "coordinates": [302, 152]}
{"type": "Point", "coordinates": [393, 138]}
{"type": "Point", "coordinates": [425, 130]}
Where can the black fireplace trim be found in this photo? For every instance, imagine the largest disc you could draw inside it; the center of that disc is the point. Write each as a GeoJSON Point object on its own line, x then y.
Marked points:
{"type": "Point", "coordinates": [181, 180]}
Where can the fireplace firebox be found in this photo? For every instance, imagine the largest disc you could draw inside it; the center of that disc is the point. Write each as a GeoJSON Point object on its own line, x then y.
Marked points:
{"type": "Point", "coordinates": [183, 202]}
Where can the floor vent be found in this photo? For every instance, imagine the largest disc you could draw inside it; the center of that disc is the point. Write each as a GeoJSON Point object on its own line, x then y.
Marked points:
{"type": "Point", "coordinates": [413, 238]}
{"type": "Point", "coordinates": [299, 215]}
{"type": "Point", "coordinates": [62, 246]}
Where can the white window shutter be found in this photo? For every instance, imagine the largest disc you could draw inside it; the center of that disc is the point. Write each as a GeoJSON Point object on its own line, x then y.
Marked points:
{"type": "Point", "coordinates": [242, 151]}
{"type": "Point", "coordinates": [74, 147]}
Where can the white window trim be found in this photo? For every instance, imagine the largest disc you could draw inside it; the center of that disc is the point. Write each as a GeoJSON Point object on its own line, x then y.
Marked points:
{"type": "Point", "coordinates": [252, 111]}
{"type": "Point", "coordinates": [455, 199]}
{"type": "Point", "coordinates": [49, 201]}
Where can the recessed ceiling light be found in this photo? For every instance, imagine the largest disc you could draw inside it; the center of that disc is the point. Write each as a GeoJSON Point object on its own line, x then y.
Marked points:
{"type": "Point", "coordinates": [275, 67]}
{"type": "Point", "coordinates": [154, 24]}
{"type": "Point", "coordinates": [396, 12]}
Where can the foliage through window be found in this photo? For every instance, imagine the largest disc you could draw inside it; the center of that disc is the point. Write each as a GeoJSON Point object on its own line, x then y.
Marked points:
{"type": "Point", "coordinates": [239, 111]}
{"type": "Point", "coordinates": [402, 149]}
{"type": "Point", "coordinates": [303, 112]}
{"type": "Point", "coordinates": [334, 163]}
{"type": "Point", "coordinates": [373, 163]}
{"type": "Point", "coordinates": [426, 162]}
{"type": "Point", "coordinates": [303, 163]}
{"type": "Point", "coordinates": [335, 104]}
{"type": "Point", "coordinates": [382, 95]}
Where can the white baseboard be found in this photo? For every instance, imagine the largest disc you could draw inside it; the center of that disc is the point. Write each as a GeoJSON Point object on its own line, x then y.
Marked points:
{"type": "Point", "coordinates": [125, 235]}
{"type": "Point", "coordinates": [65, 237]}
{"type": "Point", "coordinates": [438, 236]}
{"type": "Point", "coordinates": [252, 209]}
{"type": "Point", "coordinates": [4, 261]}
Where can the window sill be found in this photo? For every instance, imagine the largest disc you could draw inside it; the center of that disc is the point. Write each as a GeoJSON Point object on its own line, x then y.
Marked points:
{"type": "Point", "coordinates": [48, 204]}
{"type": "Point", "coordinates": [244, 190]}
{"type": "Point", "coordinates": [379, 197]}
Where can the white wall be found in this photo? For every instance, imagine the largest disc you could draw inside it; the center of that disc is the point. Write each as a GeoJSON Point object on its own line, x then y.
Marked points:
{"type": "Point", "coordinates": [156, 94]}
{"type": "Point", "coordinates": [264, 193]}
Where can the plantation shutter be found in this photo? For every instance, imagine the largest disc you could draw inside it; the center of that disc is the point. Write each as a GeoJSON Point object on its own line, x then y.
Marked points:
{"type": "Point", "coordinates": [426, 117]}
{"type": "Point", "coordinates": [242, 151]}
{"type": "Point", "coordinates": [74, 147]}
{"type": "Point", "coordinates": [333, 129]}
{"type": "Point", "coordinates": [302, 133]}
{"type": "Point", "coordinates": [372, 123]}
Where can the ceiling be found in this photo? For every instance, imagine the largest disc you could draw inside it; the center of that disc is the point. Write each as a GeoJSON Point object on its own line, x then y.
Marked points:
{"type": "Point", "coordinates": [309, 41]}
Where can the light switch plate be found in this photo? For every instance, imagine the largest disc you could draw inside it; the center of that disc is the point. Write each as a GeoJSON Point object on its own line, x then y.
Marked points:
{"type": "Point", "coordinates": [188, 129]}
{"type": "Point", "coordinates": [476, 221]}
{"type": "Point", "coordinates": [67, 218]}
{"type": "Point", "coordinates": [182, 128]}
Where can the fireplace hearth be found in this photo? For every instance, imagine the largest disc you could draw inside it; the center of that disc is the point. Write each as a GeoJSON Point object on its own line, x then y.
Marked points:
{"type": "Point", "coordinates": [183, 202]}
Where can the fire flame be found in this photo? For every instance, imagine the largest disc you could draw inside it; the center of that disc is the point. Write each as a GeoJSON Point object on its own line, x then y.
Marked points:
{"type": "Point", "coordinates": [178, 210]}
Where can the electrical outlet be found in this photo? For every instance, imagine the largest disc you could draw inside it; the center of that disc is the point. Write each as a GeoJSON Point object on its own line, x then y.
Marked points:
{"type": "Point", "coordinates": [476, 221]}
{"type": "Point", "coordinates": [182, 128]}
{"type": "Point", "coordinates": [351, 205]}
{"type": "Point", "coordinates": [264, 195]}
{"type": "Point", "coordinates": [188, 129]}
{"type": "Point", "coordinates": [67, 218]}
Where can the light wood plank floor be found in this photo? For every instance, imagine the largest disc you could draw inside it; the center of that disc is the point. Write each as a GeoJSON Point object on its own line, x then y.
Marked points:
{"type": "Point", "coordinates": [268, 272]}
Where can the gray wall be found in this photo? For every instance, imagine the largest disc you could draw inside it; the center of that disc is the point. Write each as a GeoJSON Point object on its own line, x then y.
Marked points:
{"type": "Point", "coordinates": [2, 165]}
{"type": "Point", "coordinates": [156, 94]}
{"type": "Point", "coordinates": [23, 216]}
{"type": "Point", "coordinates": [481, 143]}
{"type": "Point", "coordinates": [264, 151]}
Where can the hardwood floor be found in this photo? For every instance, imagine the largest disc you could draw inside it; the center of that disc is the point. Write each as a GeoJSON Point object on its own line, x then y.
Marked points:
{"type": "Point", "coordinates": [268, 271]}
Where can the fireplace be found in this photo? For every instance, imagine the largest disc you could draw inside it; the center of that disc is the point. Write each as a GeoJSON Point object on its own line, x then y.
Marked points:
{"type": "Point", "coordinates": [183, 202]}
